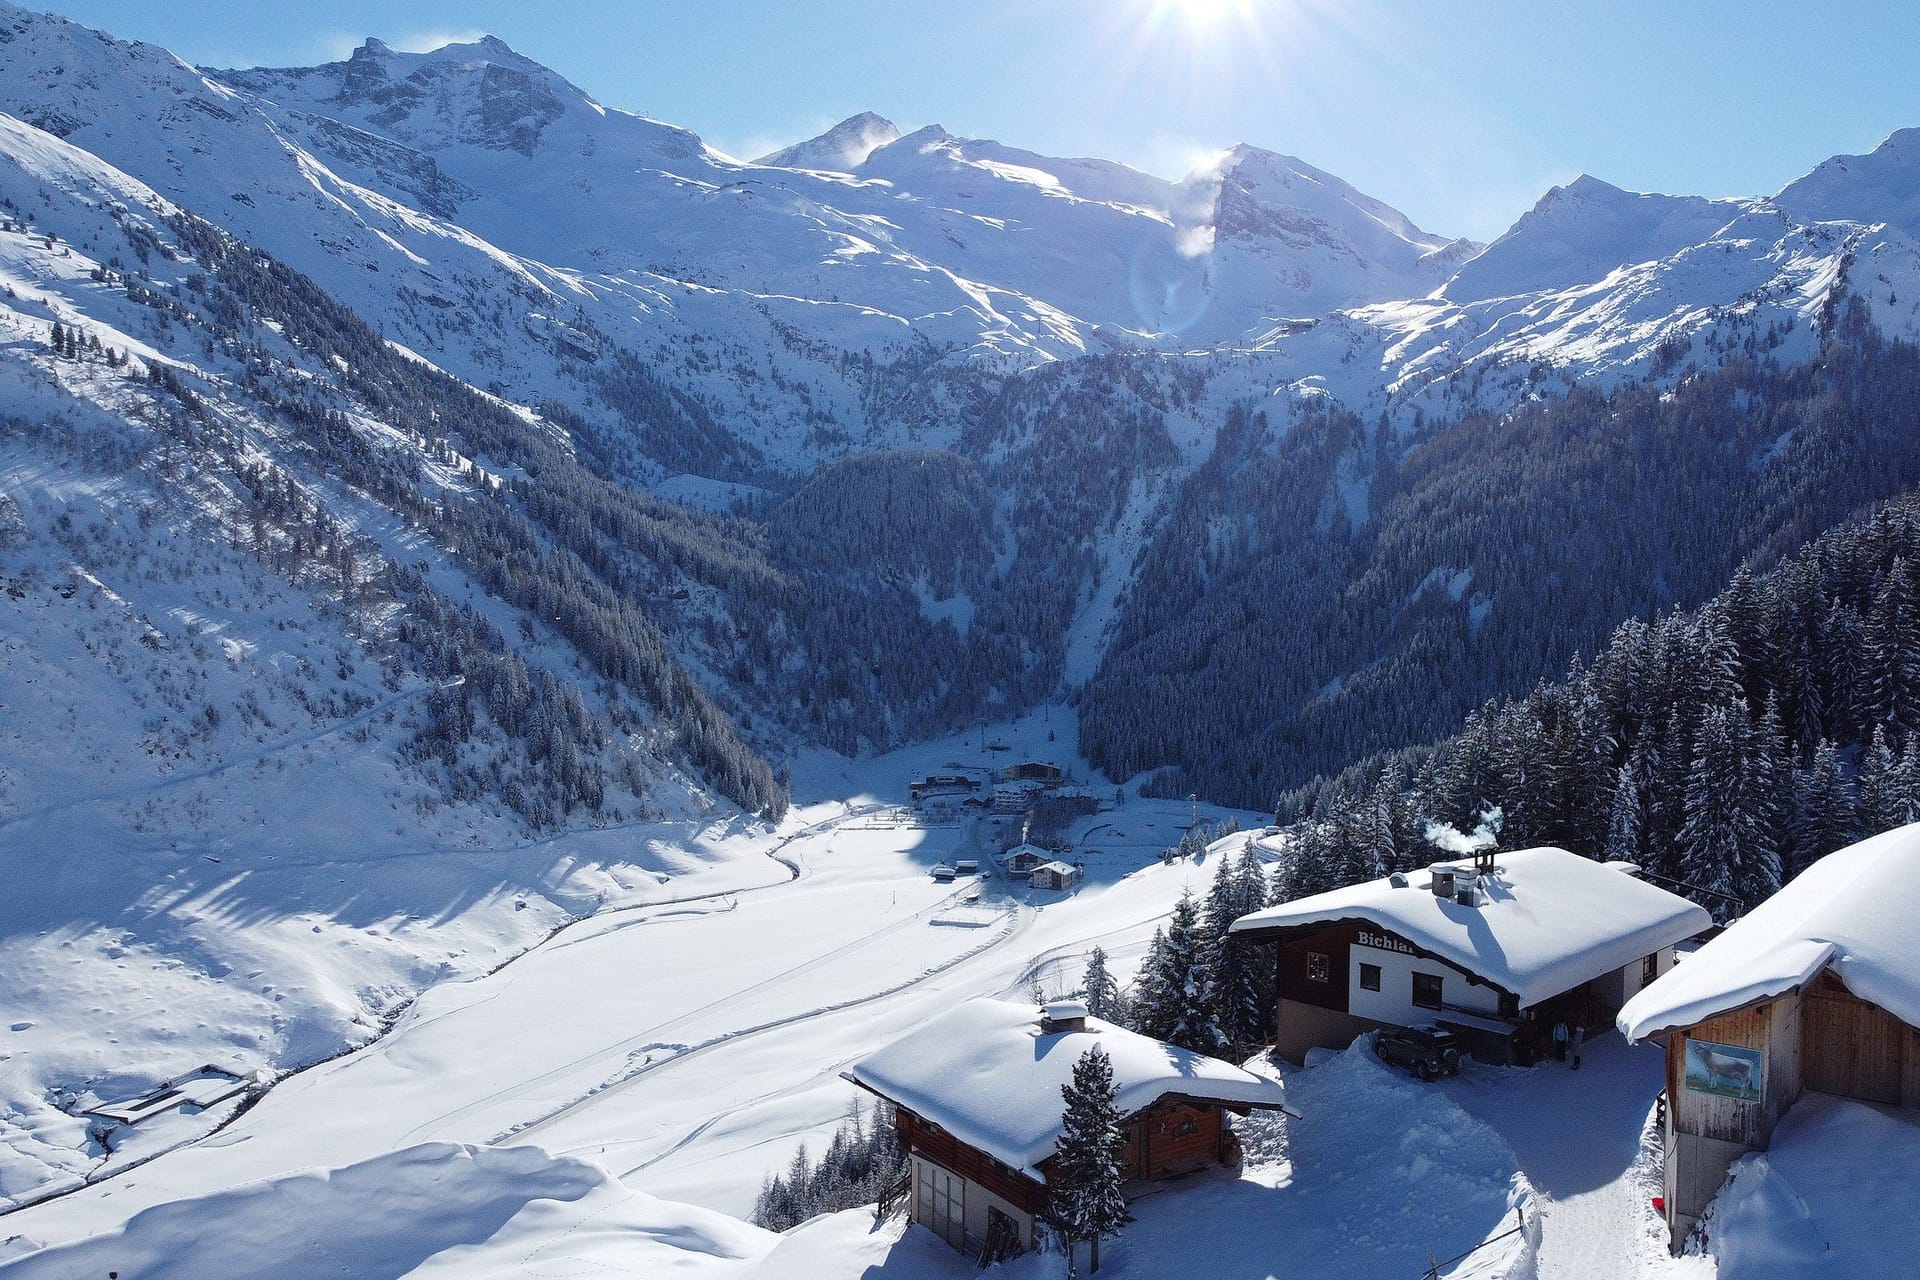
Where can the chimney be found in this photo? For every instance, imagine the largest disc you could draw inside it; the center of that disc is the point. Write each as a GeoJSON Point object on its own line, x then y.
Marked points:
{"type": "Point", "coordinates": [1443, 874]}
{"type": "Point", "coordinates": [1062, 1015]}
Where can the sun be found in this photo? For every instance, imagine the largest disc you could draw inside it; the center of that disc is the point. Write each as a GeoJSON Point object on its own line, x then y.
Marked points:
{"type": "Point", "coordinates": [1204, 15]}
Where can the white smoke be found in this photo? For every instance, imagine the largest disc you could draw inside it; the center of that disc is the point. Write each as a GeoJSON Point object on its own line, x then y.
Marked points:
{"type": "Point", "coordinates": [1484, 836]}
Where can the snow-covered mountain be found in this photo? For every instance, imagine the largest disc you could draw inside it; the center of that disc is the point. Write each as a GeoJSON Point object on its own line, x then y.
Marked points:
{"type": "Point", "coordinates": [428, 189]}
{"type": "Point", "coordinates": [929, 411]}
{"type": "Point", "coordinates": [841, 149]}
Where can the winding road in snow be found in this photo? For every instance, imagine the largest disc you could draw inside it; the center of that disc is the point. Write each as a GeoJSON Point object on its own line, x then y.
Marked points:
{"type": "Point", "coordinates": [573, 1021]}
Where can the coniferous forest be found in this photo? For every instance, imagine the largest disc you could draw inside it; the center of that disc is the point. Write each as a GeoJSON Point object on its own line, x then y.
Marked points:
{"type": "Point", "coordinates": [1724, 747]}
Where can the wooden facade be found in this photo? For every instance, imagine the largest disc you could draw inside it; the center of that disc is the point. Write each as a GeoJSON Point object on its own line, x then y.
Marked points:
{"type": "Point", "coordinates": [976, 1166]}
{"type": "Point", "coordinates": [1173, 1137]}
{"type": "Point", "coordinates": [1821, 1037]}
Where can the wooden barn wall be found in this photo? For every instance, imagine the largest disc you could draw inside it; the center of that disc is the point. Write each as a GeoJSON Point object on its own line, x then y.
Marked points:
{"type": "Point", "coordinates": [1170, 1152]}
{"type": "Point", "coordinates": [1774, 1029]}
{"type": "Point", "coordinates": [1852, 1048]}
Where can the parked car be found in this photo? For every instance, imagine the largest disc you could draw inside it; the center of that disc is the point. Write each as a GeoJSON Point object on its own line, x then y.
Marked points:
{"type": "Point", "coordinates": [1425, 1051]}
{"type": "Point", "coordinates": [942, 872]}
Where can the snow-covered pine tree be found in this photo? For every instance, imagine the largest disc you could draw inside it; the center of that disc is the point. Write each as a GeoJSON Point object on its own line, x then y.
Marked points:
{"type": "Point", "coordinates": [860, 1163]}
{"type": "Point", "coordinates": [1098, 991]}
{"type": "Point", "coordinates": [1308, 868]}
{"type": "Point", "coordinates": [1627, 815]}
{"type": "Point", "coordinates": [1083, 1193]}
{"type": "Point", "coordinates": [1148, 1007]}
{"type": "Point", "coordinates": [1727, 841]}
{"type": "Point", "coordinates": [1826, 813]}
{"type": "Point", "coordinates": [1185, 982]}
{"type": "Point", "coordinates": [1889, 783]}
{"type": "Point", "coordinates": [1893, 651]}
{"type": "Point", "coordinates": [1243, 992]}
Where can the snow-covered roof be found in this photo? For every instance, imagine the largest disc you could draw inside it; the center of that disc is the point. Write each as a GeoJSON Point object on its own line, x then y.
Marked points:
{"type": "Point", "coordinates": [1057, 868]}
{"type": "Point", "coordinates": [1853, 912]}
{"type": "Point", "coordinates": [1547, 919]}
{"type": "Point", "coordinates": [985, 1073]}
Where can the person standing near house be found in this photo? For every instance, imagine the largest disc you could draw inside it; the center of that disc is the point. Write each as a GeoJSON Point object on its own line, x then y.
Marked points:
{"type": "Point", "coordinates": [1579, 1038]}
{"type": "Point", "coordinates": [1560, 1040]}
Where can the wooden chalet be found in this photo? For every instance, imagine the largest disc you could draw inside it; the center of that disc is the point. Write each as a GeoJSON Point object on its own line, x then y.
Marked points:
{"type": "Point", "coordinates": [1817, 989]}
{"type": "Point", "coordinates": [976, 1093]}
{"type": "Point", "coordinates": [1496, 951]}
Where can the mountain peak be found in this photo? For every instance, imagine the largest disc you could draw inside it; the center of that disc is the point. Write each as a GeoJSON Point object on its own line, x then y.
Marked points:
{"type": "Point", "coordinates": [1580, 232]}
{"type": "Point", "coordinates": [1881, 186]}
{"type": "Point", "coordinates": [1257, 192]}
{"type": "Point", "coordinates": [1588, 185]}
{"type": "Point", "coordinates": [841, 148]}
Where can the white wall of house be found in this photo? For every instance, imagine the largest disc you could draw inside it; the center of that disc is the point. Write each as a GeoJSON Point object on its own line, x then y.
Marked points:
{"type": "Point", "coordinates": [1625, 982]}
{"type": "Point", "coordinates": [1393, 1002]}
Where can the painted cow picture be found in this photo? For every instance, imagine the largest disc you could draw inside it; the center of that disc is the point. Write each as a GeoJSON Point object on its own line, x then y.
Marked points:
{"type": "Point", "coordinates": [1724, 1070]}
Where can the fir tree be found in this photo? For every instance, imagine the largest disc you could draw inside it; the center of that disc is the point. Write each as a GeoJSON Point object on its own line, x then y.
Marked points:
{"type": "Point", "coordinates": [1182, 984]}
{"type": "Point", "coordinates": [1627, 815]}
{"type": "Point", "coordinates": [1243, 993]}
{"type": "Point", "coordinates": [1727, 840]}
{"type": "Point", "coordinates": [1149, 1009]}
{"type": "Point", "coordinates": [1893, 651]}
{"type": "Point", "coordinates": [1889, 783]}
{"type": "Point", "coordinates": [1089, 1160]}
{"type": "Point", "coordinates": [1826, 814]}
{"type": "Point", "coordinates": [1098, 990]}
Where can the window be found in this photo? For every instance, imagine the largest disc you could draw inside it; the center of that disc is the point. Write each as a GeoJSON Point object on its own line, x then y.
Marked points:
{"type": "Point", "coordinates": [1509, 1005]}
{"type": "Point", "coordinates": [1426, 990]}
{"type": "Point", "coordinates": [1649, 968]}
{"type": "Point", "coordinates": [1317, 966]}
{"type": "Point", "coordinates": [1369, 977]}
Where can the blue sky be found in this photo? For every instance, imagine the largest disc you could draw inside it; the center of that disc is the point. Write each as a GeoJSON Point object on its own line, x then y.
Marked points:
{"type": "Point", "coordinates": [1459, 112]}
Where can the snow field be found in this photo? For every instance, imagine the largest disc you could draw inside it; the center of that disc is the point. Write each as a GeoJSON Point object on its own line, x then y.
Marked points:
{"type": "Point", "coordinates": [1801, 1209]}
{"type": "Point", "coordinates": [435, 1210]}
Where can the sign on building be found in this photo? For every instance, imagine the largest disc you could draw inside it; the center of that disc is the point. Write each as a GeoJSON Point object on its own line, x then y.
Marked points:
{"type": "Point", "coordinates": [1725, 1070]}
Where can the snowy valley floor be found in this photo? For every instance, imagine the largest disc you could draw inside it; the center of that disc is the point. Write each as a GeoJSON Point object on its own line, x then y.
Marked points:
{"type": "Point", "coordinates": [609, 1103]}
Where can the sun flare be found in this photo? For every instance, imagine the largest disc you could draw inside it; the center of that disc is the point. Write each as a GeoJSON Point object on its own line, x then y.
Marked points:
{"type": "Point", "coordinates": [1205, 15]}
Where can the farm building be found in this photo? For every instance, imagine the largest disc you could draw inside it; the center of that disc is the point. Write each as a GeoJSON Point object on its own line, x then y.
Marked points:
{"type": "Point", "coordinates": [1496, 950]}
{"type": "Point", "coordinates": [1817, 989]}
{"type": "Point", "coordinates": [978, 1105]}
{"type": "Point", "coordinates": [1054, 875]}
